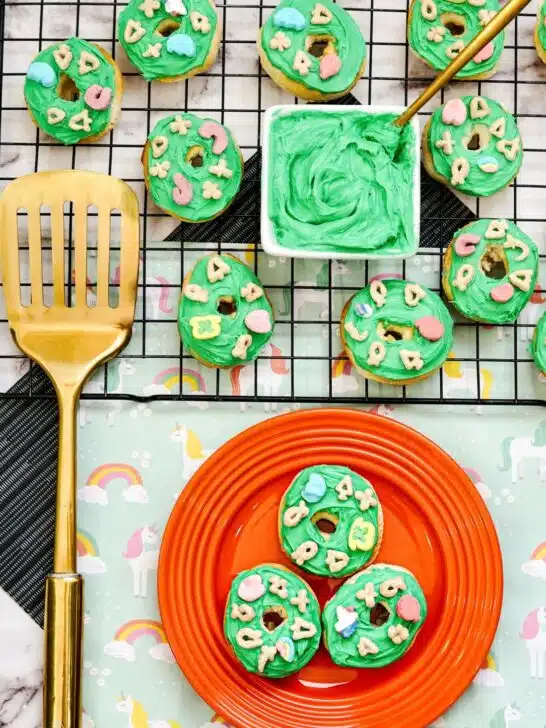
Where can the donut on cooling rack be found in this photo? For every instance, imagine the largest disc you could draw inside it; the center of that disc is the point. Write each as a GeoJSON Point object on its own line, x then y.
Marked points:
{"type": "Point", "coordinates": [272, 621]}
{"type": "Point", "coordinates": [538, 346]}
{"type": "Point", "coordinates": [490, 270]}
{"type": "Point", "coordinates": [170, 40]}
{"type": "Point", "coordinates": [330, 521]}
{"type": "Point", "coordinates": [192, 167]}
{"type": "Point", "coordinates": [73, 91]}
{"type": "Point", "coordinates": [540, 32]}
{"type": "Point", "coordinates": [473, 145]}
{"type": "Point", "coordinates": [396, 332]}
{"type": "Point", "coordinates": [225, 318]}
{"type": "Point", "coordinates": [374, 618]}
{"type": "Point", "coordinates": [313, 50]}
{"type": "Point", "coordinates": [438, 30]}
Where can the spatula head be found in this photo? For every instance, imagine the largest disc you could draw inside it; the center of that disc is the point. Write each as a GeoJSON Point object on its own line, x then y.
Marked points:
{"type": "Point", "coordinates": [76, 337]}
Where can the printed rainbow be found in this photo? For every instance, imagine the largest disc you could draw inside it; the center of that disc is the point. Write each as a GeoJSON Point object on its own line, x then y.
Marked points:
{"type": "Point", "coordinates": [340, 366]}
{"type": "Point", "coordinates": [539, 554]}
{"type": "Point", "coordinates": [104, 474]}
{"type": "Point", "coordinates": [170, 379]}
{"type": "Point", "coordinates": [86, 544]}
{"type": "Point", "coordinates": [132, 631]}
{"type": "Point", "coordinates": [489, 663]}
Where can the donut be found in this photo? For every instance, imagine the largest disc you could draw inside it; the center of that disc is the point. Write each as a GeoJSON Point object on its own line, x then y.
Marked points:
{"type": "Point", "coordinates": [489, 271]}
{"type": "Point", "coordinates": [192, 167]}
{"type": "Point", "coordinates": [330, 521]}
{"type": "Point", "coordinates": [341, 182]}
{"type": "Point", "coordinates": [313, 50]}
{"type": "Point", "coordinates": [473, 145]}
{"type": "Point", "coordinates": [169, 40]}
{"type": "Point", "coordinates": [538, 346]}
{"type": "Point", "coordinates": [438, 30]}
{"type": "Point", "coordinates": [272, 621]}
{"type": "Point", "coordinates": [540, 32]}
{"type": "Point", "coordinates": [224, 317]}
{"type": "Point", "coordinates": [373, 619]}
{"type": "Point", "coordinates": [396, 332]}
{"type": "Point", "coordinates": [73, 91]}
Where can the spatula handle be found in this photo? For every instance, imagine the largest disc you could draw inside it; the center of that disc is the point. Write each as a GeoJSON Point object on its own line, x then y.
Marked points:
{"type": "Point", "coordinates": [63, 650]}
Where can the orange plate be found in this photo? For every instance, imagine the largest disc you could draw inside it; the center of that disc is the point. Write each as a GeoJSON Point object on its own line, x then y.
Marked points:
{"type": "Point", "coordinates": [436, 524]}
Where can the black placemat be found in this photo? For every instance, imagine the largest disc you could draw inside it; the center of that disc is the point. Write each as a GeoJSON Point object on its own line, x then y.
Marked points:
{"type": "Point", "coordinates": [29, 427]}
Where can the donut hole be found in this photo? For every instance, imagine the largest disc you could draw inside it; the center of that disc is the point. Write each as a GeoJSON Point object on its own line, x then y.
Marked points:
{"type": "Point", "coordinates": [453, 23]}
{"type": "Point", "coordinates": [273, 617]}
{"type": "Point", "coordinates": [478, 139]}
{"type": "Point", "coordinates": [167, 27]}
{"type": "Point", "coordinates": [493, 262]}
{"type": "Point", "coordinates": [226, 306]}
{"type": "Point", "coordinates": [195, 156]}
{"type": "Point", "coordinates": [379, 614]}
{"type": "Point", "coordinates": [390, 332]}
{"type": "Point", "coordinates": [326, 523]}
{"type": "Point", "coordinates": [320, 45]}
{"type": "Point", "coordinates": [67, 89]}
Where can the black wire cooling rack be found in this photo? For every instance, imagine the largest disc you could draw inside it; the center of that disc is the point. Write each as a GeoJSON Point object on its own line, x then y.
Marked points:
{"type": "Point", "coordinates": [487, 365]}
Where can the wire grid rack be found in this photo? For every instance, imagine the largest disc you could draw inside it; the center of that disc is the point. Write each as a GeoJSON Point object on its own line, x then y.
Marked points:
{"type": "Point", "coordinates": [236, 92]}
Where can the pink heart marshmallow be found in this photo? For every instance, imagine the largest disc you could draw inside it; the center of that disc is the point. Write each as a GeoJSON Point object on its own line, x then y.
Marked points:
{"type": "Point", "coordinates": [465, 244]}
{"type": "Point", "coordinates": [251, 588]}
{"type": "Point", "coordinates": [408, 608]}
{"type": "Point", "coordinates": [98, 97]}
{"type": "Point", "coordinates": [329, 65]}
{"type": "Point", "coordinates": [430, 328]}
{"type": "Point", "coordinates": [502, 293]}
{"type": "Point", "coordinates": [454, 112]}
{"type": "Point", "coordinates": [258, 321]}
{"type": "Point", "coordinates": [485, 53]}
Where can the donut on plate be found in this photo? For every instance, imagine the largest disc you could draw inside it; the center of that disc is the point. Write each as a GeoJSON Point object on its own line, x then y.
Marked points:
{"type": "Point", "coordinates": [330, 521]}
{"type": "Point", "coordinates": [73, 91]}
{"type": "Point", "coordinates": [272, 621]}
{"type": "Point", "coordinates": [373, 619]}
{"type": "Point", "coordinates": [314, 50]}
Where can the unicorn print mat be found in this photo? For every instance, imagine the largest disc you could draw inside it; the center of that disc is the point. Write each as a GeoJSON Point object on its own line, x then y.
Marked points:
{"type": "Point", "coordinates": [128, 481]}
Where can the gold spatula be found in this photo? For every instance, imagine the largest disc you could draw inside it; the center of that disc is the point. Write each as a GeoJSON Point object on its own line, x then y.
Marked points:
{"type": "Point", "coordinates": [68, 343]}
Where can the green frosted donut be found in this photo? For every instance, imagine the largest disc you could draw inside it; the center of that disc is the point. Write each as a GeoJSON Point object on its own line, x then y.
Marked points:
{"type": "Point", "coordinates": [272, 620]}
{"type": "Point", "coordinates": [317, 47]}
{"type": "Point", "coordinates": [540, 32]}
{"type": "Point", "coordinates": [330, 521]}
{"type": "Point", "coordinates": [462, 124]}
{"type": "Point", "coordinates": [168, 40]}
{"type": "Point", "coordinates": [490, 247]}
{"type": "Point", "coordinates": [373, 619]}
{"type": "Point", "coordinates": [224, 318]}
{"type": "Point", "coordinates": [192, 166]}
{"type": "Point", "coordinates": [538, 346]}
{"type": "Point", "coordinates": [438, 30]}
{"type": "Point", "coordinates": [73, 91]}
{"type": "Point", "coordinates": [396, 331]}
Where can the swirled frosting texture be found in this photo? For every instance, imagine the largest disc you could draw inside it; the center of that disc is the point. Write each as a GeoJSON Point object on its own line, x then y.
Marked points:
{"type": "Point", "coordinates": [299, 650]}
{"type": "Point", "coordinates": [538, 347]}
{"type": "Point", "coordinates": [489, 169]}
{"type": "Point", "coordinates": [478, 300]}
{"type": "Point", "coordinates": [355, 525]}
{"type": "Point", "coordinates": [162, 187]}
{"type": "Point", "coordinates": [341, 182]}
{"type": "Point", "coordinates": [364, 316]}
{"type": "Point", "coordinates": [218, 351]}
{"type": "Point", "coordinates": [348, 42]}
{"type": "Point", "coordinates": [170, 61]}
{"type": "Point", "coordinates": [40, 99]}
{"type": "Point", "coordinates": [430, 36]}
{"type": "Point", "coordinates": [345, 650]}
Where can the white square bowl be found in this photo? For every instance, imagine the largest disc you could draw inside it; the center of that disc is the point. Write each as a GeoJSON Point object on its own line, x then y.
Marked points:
{"type": "Point", "coordinates": [269, 239]}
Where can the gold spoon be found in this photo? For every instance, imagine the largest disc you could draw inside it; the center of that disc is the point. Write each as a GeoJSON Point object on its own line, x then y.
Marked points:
{"type": "Point", "coordinates": [492, 29]}
{"type": "Point", "coordinates": [68, 343]}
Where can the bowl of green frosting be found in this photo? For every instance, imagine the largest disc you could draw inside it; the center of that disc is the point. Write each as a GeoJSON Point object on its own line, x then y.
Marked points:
{"type": "Point", "coordinates": [340, 182]}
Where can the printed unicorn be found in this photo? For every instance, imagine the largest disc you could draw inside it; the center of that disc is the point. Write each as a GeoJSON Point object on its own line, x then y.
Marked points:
{"type": "Point", "coordinates": [142, 558]}
{"type": "Point", "coordinates": [516, 449]}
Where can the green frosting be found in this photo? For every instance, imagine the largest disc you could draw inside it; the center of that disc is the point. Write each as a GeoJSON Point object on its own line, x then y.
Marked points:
{"type": "Point", "coordinates": [342, 31]}
{"type": "Point", "coordinates": [538, 346]}
{"type": "Point", "coordinates": [163, 185]}
{"type": "Point", "coordinates": [366, 327]}
{"type": "Point", "coordinates": [292, 643]}
{"type": "Point", "coordinates": [341, 182]}
{"type": "Point", "coordinates": [182, 51]}
{"type": "Point", "coordinates": [312, 499]}
{"type": "Point", "coordinates": [496, 239]}
{"type": "Point", "coordinates": [40, 98]}
{"type": "Point", "coordinates": [224, 329]}
{"type": "Point", "coordinates": [430, 33]}
{"type": "Point", "coordinates": [541, 27]}
{"type": "Point", "coordinates": [369, 645]}
{"type": "Point", "coordinates": [489, 168]}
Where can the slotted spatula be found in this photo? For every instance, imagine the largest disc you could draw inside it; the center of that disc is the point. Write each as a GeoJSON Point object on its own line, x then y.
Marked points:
{"type": "Point", "coordinates": [68, 343]}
